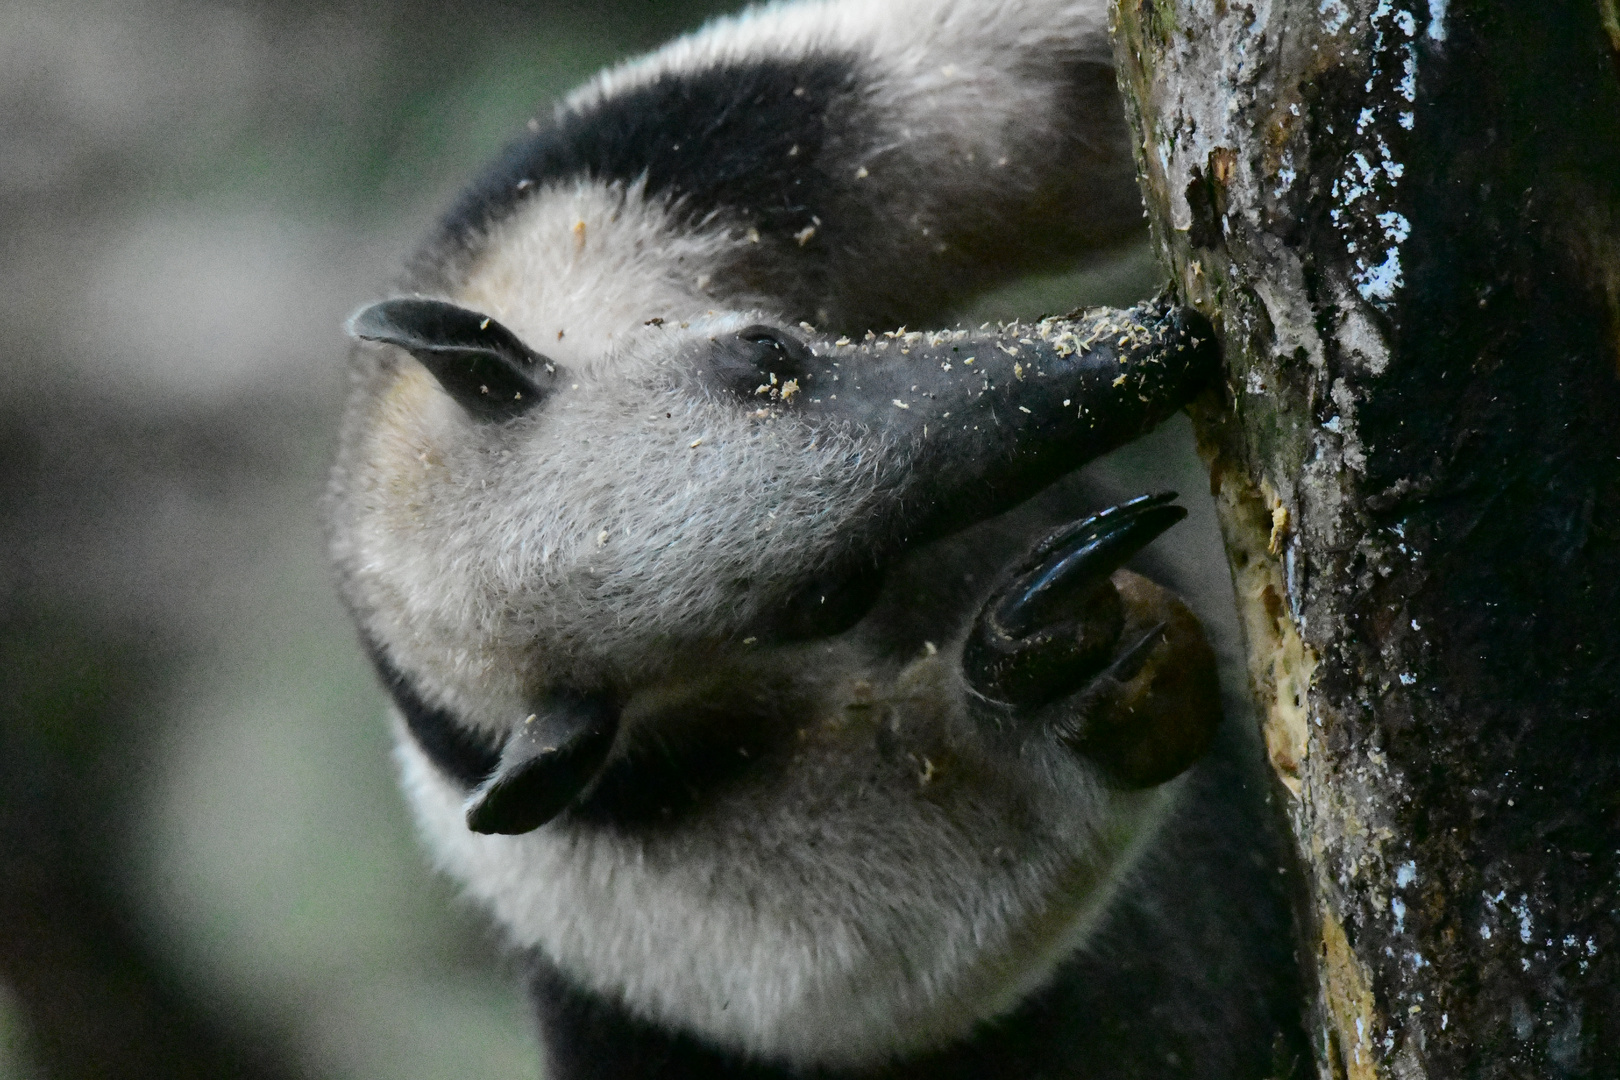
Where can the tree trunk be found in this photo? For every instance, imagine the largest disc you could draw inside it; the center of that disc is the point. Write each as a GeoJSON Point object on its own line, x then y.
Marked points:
{"type": "Point", "coordinates": [1403, 217]}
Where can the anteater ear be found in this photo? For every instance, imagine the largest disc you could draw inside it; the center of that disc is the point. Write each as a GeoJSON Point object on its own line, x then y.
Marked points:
{"type": "Point", "coordinates": [550, 756]}
{"type": "Point", "coordinates": [478, 361]}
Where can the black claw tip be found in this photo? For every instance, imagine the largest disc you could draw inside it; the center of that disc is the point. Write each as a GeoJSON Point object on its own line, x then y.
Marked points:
{"type": "Point", "coordinates": [1130, 662]}
{"type": "Point", "coordinates": [1079, 558]}
{"type": "Point", "coordinates": [548, 759]}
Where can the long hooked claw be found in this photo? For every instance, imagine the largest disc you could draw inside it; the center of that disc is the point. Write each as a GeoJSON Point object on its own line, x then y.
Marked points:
{"type": "Point", "coordinates": [1078, 558]}
{"type": "Point", "coordinates": [1056, 623]}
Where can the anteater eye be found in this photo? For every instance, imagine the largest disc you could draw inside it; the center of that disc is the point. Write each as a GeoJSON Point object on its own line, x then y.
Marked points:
{"type": "Point", "coordinates": [775, 349]}
{"type": "Point", "coordinates": [762, 362]}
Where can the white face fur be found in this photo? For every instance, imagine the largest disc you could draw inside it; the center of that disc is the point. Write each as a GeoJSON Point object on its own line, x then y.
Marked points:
{"type": "Point", "coordinates": [611, 529]}
{"type": "Point", "coordinates": [888, 871]}
{"type": "Point", "coordinates": [881, 860]}
{"type": "Point", "coordinates": [890, 861]}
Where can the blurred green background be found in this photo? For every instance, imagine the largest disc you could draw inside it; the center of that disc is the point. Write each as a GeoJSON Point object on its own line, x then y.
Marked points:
{"type": "Point", "coordinates": [204, 867]}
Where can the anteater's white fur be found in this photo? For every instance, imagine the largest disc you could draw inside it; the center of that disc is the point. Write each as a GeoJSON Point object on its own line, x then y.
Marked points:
{"type": "Point", "coordinates": [827, 912]}
{"type": "Point", "coordinates": [816, 918]}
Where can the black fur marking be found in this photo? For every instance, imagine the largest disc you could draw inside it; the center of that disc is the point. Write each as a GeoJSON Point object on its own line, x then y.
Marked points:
{"type": "Point", "coordinates": [826, 606]}
{"type": "Point", "coordinates": [661, 782]}
{"type": "Point", "coordinates": [744, 138]}
{"type": "Point", "coordinates": [455, 751]}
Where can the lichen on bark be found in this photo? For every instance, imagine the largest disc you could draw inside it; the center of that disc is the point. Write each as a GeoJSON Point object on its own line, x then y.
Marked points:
{"type": "Point", "coordinates": [1403, 217]}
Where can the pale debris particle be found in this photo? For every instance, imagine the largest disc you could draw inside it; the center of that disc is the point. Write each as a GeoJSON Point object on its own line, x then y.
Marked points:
{"type": "Point", "coordinates": [1279, 528]}
{"type": "Point", "coordinates": [900, 404]}
{"type": "Point", "coordinates": [1018, 371]}
{"type": "Point", "coordinates": [695, 443]}
{"type": "Point", "coordinates": [579, 237]}
{"type": "Point", "coordinates": [1120, 381]}
{"type": "Point", "coordinates": [790, 388]}
{"type": "Point", "coordinates": [842, 341]}
{"type": "Point", "coordinates": [861, 173]}
{"type": "Point", "coordinates": [803, 235]}
{"type": "Point", "coordinates": [1022, 409]}
{"type": "Point", "coordinates": [753, 235]}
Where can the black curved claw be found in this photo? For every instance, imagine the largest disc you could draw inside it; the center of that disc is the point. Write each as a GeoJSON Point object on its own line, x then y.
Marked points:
{"type": "Point", "coordinates": [1054, 626]}
{"type": "Point", "coordinates": [548, 759]}
{"type": "Point", "coordinates": [1079, 557]}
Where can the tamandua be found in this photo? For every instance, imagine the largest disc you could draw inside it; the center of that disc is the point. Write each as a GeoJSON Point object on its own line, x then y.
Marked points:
{"type": "Point", "coordinates": [631, 466]}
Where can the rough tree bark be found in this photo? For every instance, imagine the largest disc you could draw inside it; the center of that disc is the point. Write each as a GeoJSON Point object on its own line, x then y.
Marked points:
{"type": "Point", "coordinates": [1404, 218]}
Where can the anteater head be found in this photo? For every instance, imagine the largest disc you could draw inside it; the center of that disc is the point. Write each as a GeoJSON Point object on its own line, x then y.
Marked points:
{"type": "Point", "coordinates": [509, 526]}
{"type": "Point", "coordinates": [622, 601]}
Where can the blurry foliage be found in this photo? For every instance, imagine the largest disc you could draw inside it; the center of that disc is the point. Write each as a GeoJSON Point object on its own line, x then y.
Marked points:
{"type": "Point", "coordinates": [207, 871]}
